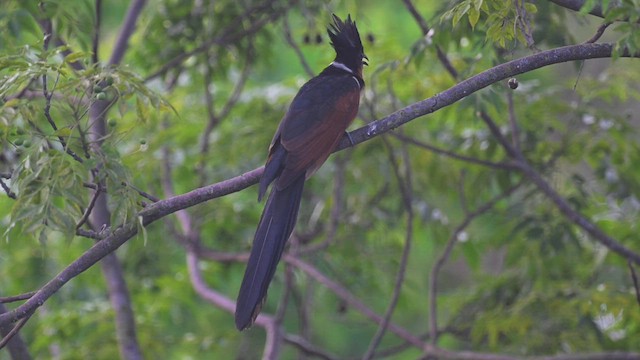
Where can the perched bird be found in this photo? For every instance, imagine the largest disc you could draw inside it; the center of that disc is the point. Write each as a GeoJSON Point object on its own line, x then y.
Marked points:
{"type": "Point", "coordinates": [309, 132]}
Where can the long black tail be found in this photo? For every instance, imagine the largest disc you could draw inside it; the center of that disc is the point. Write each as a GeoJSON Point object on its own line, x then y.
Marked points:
{"type": "Point", "coordinates": [276, 224]}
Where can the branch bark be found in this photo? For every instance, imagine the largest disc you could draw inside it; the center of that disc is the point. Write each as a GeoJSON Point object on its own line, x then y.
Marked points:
{"type": "Point", "coordinates": [576, 5]}
{"type": "Point", "coordinates": [17, 348]}
{"type": "Point", "coordinates": [168, 206]}
{"type": "Point", "coordinates": [100, 216]}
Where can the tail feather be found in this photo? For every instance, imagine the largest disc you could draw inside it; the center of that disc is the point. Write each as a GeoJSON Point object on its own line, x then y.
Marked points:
{"type": "Point", "coordinates": [276, 224]}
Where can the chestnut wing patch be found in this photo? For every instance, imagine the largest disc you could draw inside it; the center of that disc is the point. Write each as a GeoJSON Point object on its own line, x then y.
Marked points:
{"type": "Point", "coordinates": [315, 123]}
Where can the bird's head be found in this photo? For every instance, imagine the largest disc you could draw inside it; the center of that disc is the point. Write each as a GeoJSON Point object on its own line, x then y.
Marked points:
{"type": "Point", "coordinates": [345, 39]}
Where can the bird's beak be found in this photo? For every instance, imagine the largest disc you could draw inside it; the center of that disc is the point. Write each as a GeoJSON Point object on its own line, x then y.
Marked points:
{"type": "Point", "coordinates": [365, 60]}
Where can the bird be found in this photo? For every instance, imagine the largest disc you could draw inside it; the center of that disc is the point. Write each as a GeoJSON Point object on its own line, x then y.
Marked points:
{"type": "Point", "coordinates": [309, 132]}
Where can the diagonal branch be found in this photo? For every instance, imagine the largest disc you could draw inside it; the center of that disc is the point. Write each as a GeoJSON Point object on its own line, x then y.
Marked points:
{"type": "Point", "coordinates": [228, 36]}
{"type": "Point", "coordinates": [478, 82]}
{"type": "Point", "coordinates": [129, 25]}
{"type": "Point", "coordinates": [295, 47]}
{"type": "Point", "coordinates": [350, 299]}
{"type": "Point", "coordinates": [442, 57]}
{"type": "Point", "coordinates": [453, 239]}
{"type": "Point", "coordinates": [457, 92]}
{"type": "Point", "coordinates": [454, 155]}
{"type": "Point", "coordinates": [576, 5]}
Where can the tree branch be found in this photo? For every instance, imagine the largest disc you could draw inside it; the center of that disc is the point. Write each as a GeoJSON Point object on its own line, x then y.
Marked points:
{"type": "Point", "coordinates": [349, 298]}
{"type": "Point", "coordinates": [295, 47]}
{"type": "Point", "coordinates": [96, 32]}
{"type": "Point", "coordinates": [576, 5]}
{"type": "Point", "coordinates": [456, 156]}
{"type": "Point", "coordinates": [229, 35]}
{"type": "Point", "coordinates": [129, 25]}
{"type": "Point", "coordinates": [17, 347]}
{"type": "Point", "coordinates": [8, 299]}
{"type": "Point", "coordinates": [168, 206]}
{"type": "Point", "coordinates": [442, 57]}
{"type": "Point", "coordinates": [634, 278]}
{"type": "Point", "coordinates": [432, 351]}
{"type": "Point", "coordinates": [453, 239]}
{"type": "Point", "coordinates": [7, 190]}
{"type": "Point", "coordinates": [478, 82]}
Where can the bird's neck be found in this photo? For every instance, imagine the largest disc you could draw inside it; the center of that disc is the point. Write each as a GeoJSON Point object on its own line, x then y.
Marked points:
{"type": "Point", "coordinates": [338, 68]}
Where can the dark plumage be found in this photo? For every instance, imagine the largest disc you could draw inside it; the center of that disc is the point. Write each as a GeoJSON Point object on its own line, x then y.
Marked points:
{"type": "Point", "coordinates": [309, 132]}
{"type": "Point", "coordinates": [345, 39]}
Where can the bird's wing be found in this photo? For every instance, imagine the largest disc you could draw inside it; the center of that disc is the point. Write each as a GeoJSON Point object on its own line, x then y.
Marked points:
{"type": "Point", "coordinates": [315, 123]}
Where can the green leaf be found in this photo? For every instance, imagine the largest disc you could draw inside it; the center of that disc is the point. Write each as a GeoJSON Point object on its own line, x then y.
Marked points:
{"type": "Point", "coordinates": [530, 8]}
{"type": "Point", "coordinates": [474, 15]}
{"type": "Point", "coordinates": [63, 132]}
{"type": "Point", "coordinates": [588, 6]}
{"type": "Point", "coordinates": [460, 11]}
{"type": "Point", "coordinates": [141, 110]}
{"type": "Point", "coordinates": [76, 56]}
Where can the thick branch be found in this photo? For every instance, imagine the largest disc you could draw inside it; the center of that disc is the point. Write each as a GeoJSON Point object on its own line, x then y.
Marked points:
{"type": "Point", "coordinates": [165, 207]}
{"type": "Point", "coordinates": [576, 5]}
{"type": "Point", "coordinates": [120, 235]}
{"type": "Point", "coordinates": [478, 82]}
{"type": "Point", "coordinates": [129, 25]}
{"type": "Point", "coordinates": [443, 354]}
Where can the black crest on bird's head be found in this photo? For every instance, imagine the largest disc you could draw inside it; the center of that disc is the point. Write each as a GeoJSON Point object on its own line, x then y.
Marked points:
{"type": "Point", "coordinates": [345, 39]}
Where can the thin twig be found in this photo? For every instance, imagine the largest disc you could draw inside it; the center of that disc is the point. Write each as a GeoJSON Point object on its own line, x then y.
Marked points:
{"type": "Point", "coordinates": [142, 193]}
{"type": "Point", "coordinates": [295, 47]}
{"type": "Point", "coordinates": [634, 278]}
{"type": "Point", "coordinates": [495, 131]}
{"type": "Point", "coordinates": [442, 354]}
{"type": "Point", "coordinates": [20, 297]}
{"type": "Point", "coordinates": [47, 30]}
{"type": "Point", "coordinates": [344, 294]}
{"type": "Point", "coordinates": [229, 35]}
{"type": "Point", "coordinates": [454, 155]}
{"type": "Point", "coordinates": [446, 253]}
{"type": "Point", "coordinates": [308, 348]}
{"type": "Point", "coordinates": [215, 119]}
{"type": "Point", "coordinates": [462, 193]}
{"type": "Point", "coordinates": [90, 234]}
{"type": "Point", "coordinates": [598, 33]}
{"type": "Point", "coordinates": [96, 32]}
{"type": "Point", "coordinates": [87, 212]}
{"type": "Point", "coordinates": [7, 190]}
{"type": "Point", "coordinates": [15, 330]}
{"type": "Point", "coordinates": [278, 317]}
{"type": "Point", "coordinates": [515, 132]}
{"type": "Point", "coordinates": [442, 57]}
{"type": "Point", "coordinates": [524, 23]}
